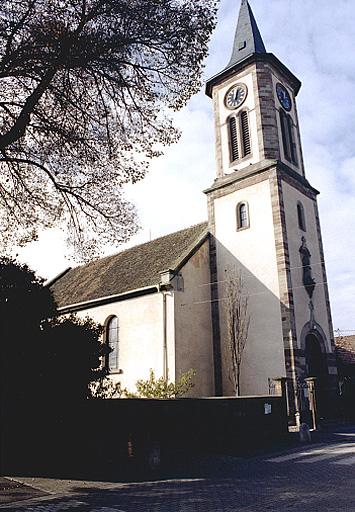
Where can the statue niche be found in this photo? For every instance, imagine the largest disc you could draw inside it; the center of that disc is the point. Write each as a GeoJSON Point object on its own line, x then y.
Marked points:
{"type": "Point", "coordinates": [308, 281]}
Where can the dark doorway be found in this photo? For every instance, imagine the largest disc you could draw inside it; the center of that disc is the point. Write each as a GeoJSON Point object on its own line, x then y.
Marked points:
{"type": "Point", "coordinates": [317, 367]}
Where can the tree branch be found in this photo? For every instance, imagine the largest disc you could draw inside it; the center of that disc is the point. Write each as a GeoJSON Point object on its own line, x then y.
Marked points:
{"type": "Point", "coordinates": [19, 127]}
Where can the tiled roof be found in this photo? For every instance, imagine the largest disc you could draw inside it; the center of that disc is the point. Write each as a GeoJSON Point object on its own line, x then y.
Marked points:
{"type": "Point", "coordinates": [345, 349]}
{"type": "Point", "coordinates": [132, 269]}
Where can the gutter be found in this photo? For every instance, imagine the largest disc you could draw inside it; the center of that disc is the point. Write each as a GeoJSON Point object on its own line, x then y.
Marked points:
{"type": "Point", "coordinates": [147, 290]}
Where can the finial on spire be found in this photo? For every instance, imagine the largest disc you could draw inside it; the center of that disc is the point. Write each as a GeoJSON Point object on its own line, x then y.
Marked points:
{"type": "Point", "coordinates": [247, 39]}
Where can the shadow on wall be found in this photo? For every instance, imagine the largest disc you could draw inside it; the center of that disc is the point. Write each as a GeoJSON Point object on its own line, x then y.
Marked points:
{"type": "Point", "coordinates": [268, 352]}
{"type": "Point", "coordinates": [264, 355]}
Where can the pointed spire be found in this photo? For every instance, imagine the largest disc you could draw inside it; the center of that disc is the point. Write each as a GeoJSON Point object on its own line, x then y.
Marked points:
{"type": "Point", "coordinates": [247, 39]}
{"type": "Point", "coordinates": [249, 47]}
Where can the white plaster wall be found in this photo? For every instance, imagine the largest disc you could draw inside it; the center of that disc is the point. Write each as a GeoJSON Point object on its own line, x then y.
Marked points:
{"type": "Point", "coordinates": [193, 331]}
{"type": "Point", "coordinates": [253, 251]}
{"type": "Point", "coordinates": [222, 114]}
{"type": "Point", "coordinates": [140, 336]}
{"type": "Point", "coordinates": [301, 299]}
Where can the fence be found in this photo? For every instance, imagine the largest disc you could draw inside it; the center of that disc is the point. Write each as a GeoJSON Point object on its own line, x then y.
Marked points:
{"type": "Point", "coordinates": [100, 437]}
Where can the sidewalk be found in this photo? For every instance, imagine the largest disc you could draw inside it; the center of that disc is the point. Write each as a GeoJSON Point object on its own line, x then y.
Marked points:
{"type": "Point", "coordinates": [12, 491]}
{"type": "Point", "coordinates": [197, 467]}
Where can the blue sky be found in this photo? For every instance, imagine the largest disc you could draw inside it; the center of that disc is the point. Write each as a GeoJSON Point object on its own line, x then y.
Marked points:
{"type": "Point", "coordinates": [316, 40]}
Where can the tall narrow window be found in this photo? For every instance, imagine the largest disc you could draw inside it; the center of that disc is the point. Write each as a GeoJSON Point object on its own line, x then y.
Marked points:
{"type": "Point", "coordinates": [245, 133]}
{"type": "Point", "coordinates": [285, 135]}
{"type": "Point", "coordinates": [239, 136]}
{"type": "Point", "coordinates": [291, 132]}
{"type": "Point", "coordinates": [233, 135]}
{"type": "Point", "coordinates": [242, 216]}
{"type": "Point", "coordinates": [112, 342]}
{"type": "Point", "coordinates": [301, 217]}
{"type": "Point", "coordinates": [288, 137]}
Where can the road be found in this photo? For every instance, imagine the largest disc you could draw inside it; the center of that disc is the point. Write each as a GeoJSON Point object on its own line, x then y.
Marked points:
{"type": "Point", "coordinates": [318, 477]}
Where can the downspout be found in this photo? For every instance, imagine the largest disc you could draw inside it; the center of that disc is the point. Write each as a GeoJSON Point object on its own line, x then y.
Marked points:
{"type": "Point", "coordinates": [165, 338]}
{"type": "Point", "coordinates": [164, 287]}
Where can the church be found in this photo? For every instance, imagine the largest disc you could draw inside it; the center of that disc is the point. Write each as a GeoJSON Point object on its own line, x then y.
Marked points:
{"type": "Point", "coordinates": [163, 303]}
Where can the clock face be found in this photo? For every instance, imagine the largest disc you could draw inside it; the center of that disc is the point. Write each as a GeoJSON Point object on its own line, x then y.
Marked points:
{"type": "Point", "coordinates": [284, 97]}
{"type": "Point", "coordinates": [236, 96]}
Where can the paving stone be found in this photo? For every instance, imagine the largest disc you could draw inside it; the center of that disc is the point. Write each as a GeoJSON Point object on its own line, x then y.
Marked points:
{"type": "Point", "coordinates": [275, 482]}
{"type": "Point", "coordinates": [11, 490]}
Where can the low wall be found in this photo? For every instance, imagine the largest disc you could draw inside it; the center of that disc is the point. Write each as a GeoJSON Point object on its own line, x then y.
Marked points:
{"type": "Point", "coordinates": [98, 437]}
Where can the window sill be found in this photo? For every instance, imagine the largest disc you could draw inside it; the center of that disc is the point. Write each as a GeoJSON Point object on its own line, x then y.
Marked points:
{"type": "Point", "coordinates": [115, 372]}
{"type": "Point", "coordinates": [240, 160]}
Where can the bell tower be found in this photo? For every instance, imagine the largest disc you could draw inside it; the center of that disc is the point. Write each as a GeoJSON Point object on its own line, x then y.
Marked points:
{"type": "Point", "coordinates": [254, 99]}
{"type": "Point", "coordinates": [264, 221]}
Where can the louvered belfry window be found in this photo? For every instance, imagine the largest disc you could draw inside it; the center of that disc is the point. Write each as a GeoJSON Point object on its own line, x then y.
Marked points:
{"type": "Point", "coordinates": [288, 137]}
{"type": "Point", "coordinates": [245, 133]}
{"type": "Point", "coordinates": [233, 135]}
{"type": "Point", "coordinates": [285, 135]}
{"type": "Point", "coordinates": [239, 136]}
{"type": "Point", "coordinates": [292, 140]}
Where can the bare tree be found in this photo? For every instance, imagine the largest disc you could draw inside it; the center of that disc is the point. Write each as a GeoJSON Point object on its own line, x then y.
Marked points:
{"type": "Point", "coordinates": [85, 90]}
{"type": "Point", "coordinates": [238, 321]}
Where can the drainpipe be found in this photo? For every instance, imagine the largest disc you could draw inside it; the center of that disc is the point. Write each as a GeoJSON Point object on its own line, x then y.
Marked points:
{"type": "Point", "coordinates": [164, 287]}
{"type": "Point", "coordinates": [165, 338]}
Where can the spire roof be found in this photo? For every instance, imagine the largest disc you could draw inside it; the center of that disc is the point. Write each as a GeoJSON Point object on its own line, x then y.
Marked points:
{"type": "Point", "coordinates": [249, 47]}
{"type": "Point", "coordinates": [247, 39]}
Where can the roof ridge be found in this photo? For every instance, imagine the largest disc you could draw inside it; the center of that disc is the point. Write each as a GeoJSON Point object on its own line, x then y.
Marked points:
{"type": "Point", "coordinates": [139, 245]}
{"type": "Point", "coordinates": [159, 238]}
{"type": "Point", "coordinates": [167, 235]}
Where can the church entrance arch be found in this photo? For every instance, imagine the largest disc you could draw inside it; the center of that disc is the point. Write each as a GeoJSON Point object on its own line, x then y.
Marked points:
{"type": "Point", "coordinates": [316, 364]}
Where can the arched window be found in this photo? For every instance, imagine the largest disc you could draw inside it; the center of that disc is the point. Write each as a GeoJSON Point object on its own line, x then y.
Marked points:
{"type": "Point", "coordinates": [301, 216]}
{"type": "Point", "coordinates": [288, 137]}
{"type": "Point", "coordinates": [112, 342]}
{"type": "Point", "coordinates": [242, 216]}
{"type": "Point", "coordinates": [239, 136]}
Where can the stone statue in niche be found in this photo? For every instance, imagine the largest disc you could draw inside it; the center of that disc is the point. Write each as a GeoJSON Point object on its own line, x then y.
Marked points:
{"type": "Point", "coordinates": [308, 281]}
